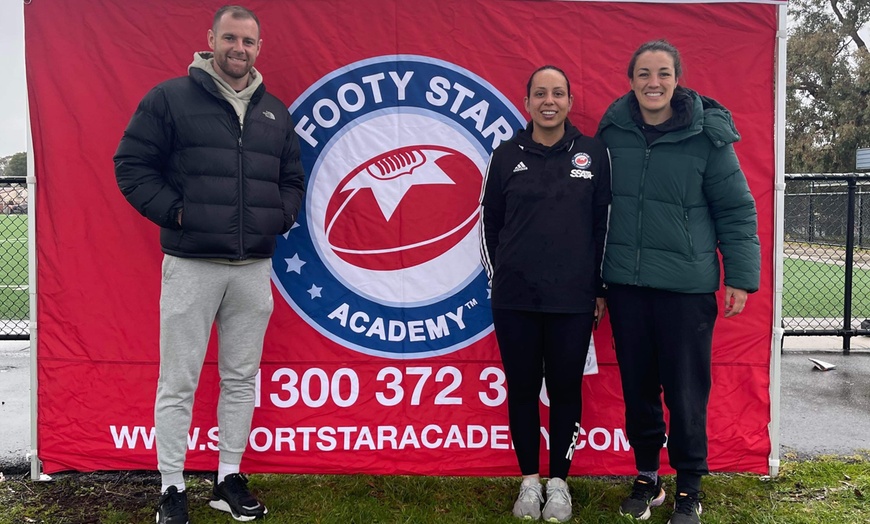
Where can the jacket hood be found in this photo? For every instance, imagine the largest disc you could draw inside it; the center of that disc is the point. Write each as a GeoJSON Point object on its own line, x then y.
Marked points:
{"type": "Point", "coordinates": [523, 138]}
{"type": "Point", "coordinates": [204, 60]}
{"type": "Point", "coordinates": [202, 71]}
{"type": "Point", "coordinates": [708, 116]}
{"type": "Point", "coordinates": [718, 123]}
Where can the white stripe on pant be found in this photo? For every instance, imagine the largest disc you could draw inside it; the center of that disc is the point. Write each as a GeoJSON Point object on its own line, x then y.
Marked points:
{"type": "Point", "coordinates": [194, 294]}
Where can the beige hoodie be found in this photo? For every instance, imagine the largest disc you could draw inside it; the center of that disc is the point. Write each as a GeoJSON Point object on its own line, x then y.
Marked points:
{"type": "Point", "coordinates": [205, 60]}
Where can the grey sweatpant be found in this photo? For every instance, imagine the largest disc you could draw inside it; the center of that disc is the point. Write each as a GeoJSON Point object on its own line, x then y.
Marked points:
{"type": "Point", "coordinates": [194, 294]}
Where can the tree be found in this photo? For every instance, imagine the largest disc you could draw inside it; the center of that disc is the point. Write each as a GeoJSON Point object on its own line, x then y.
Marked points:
{"type": "Point", "coordinates": [828, 85]}
{"type": "Point", "coordinates": [17, 166]}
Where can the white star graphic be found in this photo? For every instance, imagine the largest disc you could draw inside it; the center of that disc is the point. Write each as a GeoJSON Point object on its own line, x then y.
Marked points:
{"type": "Point", "coordinates": [294, 226]}
{"type": "Point", "coordinates": [388, 181]}
{"type": "Point", "coordinates": [294, 264]}
{"type": "Point", "coordinates": [314, 291]}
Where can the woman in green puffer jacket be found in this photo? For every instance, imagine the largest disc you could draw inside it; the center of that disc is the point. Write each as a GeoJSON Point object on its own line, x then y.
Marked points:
{"type": "Point", "coordinates": [679, 200]}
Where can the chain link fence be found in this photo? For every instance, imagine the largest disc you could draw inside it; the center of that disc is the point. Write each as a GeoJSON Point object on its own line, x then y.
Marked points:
{"type": "Point", "coordinates": [14, 285]}
{"type": "Point", "coordinates": [826, 256]}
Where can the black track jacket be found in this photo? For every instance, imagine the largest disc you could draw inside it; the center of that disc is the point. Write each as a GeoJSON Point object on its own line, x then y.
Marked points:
{"type": "Point", "coordinates": [543, 222]}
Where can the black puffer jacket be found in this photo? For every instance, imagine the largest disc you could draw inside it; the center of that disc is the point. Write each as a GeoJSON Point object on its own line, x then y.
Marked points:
{"type": "Point", "coordinates": [184, 149]}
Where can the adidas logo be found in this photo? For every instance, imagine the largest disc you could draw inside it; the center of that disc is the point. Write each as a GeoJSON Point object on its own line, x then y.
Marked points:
{"type": "Point", "coordinates": [269, 115]}
{"type": "Point", "coordinates": [520, 167]}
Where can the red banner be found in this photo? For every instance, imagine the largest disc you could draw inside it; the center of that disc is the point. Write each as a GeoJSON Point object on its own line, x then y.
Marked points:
{"type": "Point", "coordinates": [380, 356]}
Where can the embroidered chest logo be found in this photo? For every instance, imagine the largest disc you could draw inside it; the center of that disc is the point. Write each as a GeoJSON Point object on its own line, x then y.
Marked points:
{"type": "Point", "coordinates": [582, 162]}
{"type": "Point", "coordinates": [520, 167]}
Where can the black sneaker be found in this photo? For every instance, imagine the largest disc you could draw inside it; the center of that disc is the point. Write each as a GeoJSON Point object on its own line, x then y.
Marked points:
{"type": "Point", "coordinates": [687, 508]}
{"type": "Point", "coordinates": [232, 496]}
{"type": "Point", "coordinates": [172, 507]}
{"type": "Point", "coordinates": [645, 494]}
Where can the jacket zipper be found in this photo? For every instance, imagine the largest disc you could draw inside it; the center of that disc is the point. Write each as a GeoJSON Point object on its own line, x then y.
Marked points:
{"type": "Point", "coordinates": [640, 215]}
{"type": "Point", "coordinates": [241, 202]}
{"type": "Point", "coordinates": [241, 179]}
{"type": "Point", "coordinates": [689, 235]}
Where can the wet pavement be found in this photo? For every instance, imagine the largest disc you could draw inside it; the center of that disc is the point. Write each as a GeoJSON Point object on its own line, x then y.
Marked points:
{"type": "Point", "coordinates": [824, 412]}
{"type": "Point", "coordinates": [821, 412]}
{"type": "Point", "coordinates": [14, 404]}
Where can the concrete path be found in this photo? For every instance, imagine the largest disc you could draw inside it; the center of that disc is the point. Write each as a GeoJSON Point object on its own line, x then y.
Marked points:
{"type": "Point", "coordinates": [14, 404]}
{"type": "Point", "coordinates": [824, 412]}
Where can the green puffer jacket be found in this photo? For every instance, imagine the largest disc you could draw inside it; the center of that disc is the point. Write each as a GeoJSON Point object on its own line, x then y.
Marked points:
{"type": "Point", "coordinates": [678, 200]}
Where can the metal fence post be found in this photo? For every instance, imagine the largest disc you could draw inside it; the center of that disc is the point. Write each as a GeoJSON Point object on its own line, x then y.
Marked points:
{"type": "Point", "coordinates": [811, 222]}
{"type": "Point", "coordinates": [862, 218]}
{"type": "Point", "coordinates": [850, 249]}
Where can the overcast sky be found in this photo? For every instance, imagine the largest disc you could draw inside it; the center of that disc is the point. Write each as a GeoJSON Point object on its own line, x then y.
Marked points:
{"type": "Point", "coordinates": [13, 125]}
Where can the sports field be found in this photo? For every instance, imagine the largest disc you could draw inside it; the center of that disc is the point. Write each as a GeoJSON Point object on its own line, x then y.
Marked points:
{"type": "Point", "coordinates": [815, 289]}
{"type": "Point", "coordinates": [13, 268]}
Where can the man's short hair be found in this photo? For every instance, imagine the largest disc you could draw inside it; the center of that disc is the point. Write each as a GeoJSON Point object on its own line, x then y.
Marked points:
{"type": "Point", "coordinates": [236, 11]}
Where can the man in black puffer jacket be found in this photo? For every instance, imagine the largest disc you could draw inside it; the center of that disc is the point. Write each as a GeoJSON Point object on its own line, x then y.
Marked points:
{"type": "Point", "coordinates": [213, 159]}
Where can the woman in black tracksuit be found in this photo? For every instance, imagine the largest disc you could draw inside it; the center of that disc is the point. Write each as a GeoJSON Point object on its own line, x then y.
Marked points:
{"type": "Point", "coordinates": [544, 218]}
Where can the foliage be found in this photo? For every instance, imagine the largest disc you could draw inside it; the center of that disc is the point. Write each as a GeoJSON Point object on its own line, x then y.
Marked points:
{"type": "Point", "coordinates": [805, 492]}
{"type": "Point", "coordinates": [828, 70]}
{"type": "Point", "coordinates": [16, 166]}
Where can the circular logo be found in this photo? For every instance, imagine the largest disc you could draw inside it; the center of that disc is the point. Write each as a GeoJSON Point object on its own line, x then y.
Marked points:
{"type": "Point", "coordinates": [423, 232]}
{"type": "Point", "coordinates": [384, 257]}
{"type": "Point", "coordinates": [582, 161]}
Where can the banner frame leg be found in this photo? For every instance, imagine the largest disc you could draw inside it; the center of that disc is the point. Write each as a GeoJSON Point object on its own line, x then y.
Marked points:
{"type": "Point", "coordinates": [33, 456]}
{"type": "Point", "coordinates": [779, 232]}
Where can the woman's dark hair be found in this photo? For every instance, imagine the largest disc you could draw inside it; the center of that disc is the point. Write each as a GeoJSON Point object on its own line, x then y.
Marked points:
{"type": "Point", "coordinates": [657, 45]}
{"type": "Point", "coordinates": [544, 68]}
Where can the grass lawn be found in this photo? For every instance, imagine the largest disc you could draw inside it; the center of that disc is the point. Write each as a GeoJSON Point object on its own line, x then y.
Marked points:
{"type": "Point", "coordinates": [13, 267]}
{"type": "Point", "coordinates": [815, 289]}
{"type": "Point", "coordinates": [826, 490]}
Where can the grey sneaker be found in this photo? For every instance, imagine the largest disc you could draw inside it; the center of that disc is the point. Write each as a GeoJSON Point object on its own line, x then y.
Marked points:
{"type": "Point", "coordinates": [645, 494]}
{"type": "Point", "coordinates": [687, 508]}
{"type": "Point", "coordinates": [528, 504]}
{"type": "Point", "coordinates": [558, 506]}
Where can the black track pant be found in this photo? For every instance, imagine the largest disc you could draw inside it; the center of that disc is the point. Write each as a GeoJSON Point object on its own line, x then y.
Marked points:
{"type": "Point", "coordinates": [663, 343]}
{"type": "Point", "coordinates": [534, 345]}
